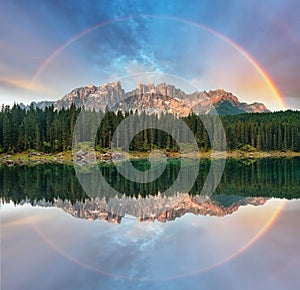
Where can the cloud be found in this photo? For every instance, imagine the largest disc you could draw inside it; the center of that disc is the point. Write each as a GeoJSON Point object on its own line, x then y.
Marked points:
{"type": "Point", "coordinates": [293, 101]}
{"type": "Point", "coordinates": [135, 67]}
{"type": "Point", "coordinates": [143, 44]}
{"type": "Point", "coordinates": [21, 84]}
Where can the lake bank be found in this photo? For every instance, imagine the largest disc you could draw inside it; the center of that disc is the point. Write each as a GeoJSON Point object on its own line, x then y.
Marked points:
{"type": "Point", "coordinates": [27, 158]}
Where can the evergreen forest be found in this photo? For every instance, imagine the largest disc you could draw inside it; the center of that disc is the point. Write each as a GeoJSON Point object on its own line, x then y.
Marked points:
{"type": "Point", "coordinates": [51, 130]}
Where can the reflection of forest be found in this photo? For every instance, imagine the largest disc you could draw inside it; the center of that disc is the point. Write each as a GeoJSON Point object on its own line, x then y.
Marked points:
{"type": "Point", "coordinates": [263, 177]}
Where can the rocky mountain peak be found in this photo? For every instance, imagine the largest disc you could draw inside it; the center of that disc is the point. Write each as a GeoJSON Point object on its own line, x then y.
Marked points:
{"type": "Point", "coordinates": [256, 107]}
{"type": "Point", "coordinates": [145, 88]}
{"type": "Point", "coordinates": [111, 86]}
{"type": "Point", "coordinates": [220, 95]}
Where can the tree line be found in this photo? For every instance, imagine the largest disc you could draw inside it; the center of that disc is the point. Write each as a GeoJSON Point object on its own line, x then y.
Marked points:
{"type": "Point", "coordinates": [51, 130]}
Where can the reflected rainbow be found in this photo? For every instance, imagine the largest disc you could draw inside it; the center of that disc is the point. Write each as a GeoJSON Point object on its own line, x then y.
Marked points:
{"type": "Point", "coordinates": [86, 266]}
{"type": "Point", "coordinates": [254, 239]}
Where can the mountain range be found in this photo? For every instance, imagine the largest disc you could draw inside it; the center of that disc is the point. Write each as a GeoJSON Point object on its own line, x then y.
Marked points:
{"type": "Point", "coordinates": [153, 99]}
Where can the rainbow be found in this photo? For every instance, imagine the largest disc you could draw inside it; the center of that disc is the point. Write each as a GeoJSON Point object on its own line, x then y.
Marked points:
{"type": "Point", "coordinates": [255, 64]}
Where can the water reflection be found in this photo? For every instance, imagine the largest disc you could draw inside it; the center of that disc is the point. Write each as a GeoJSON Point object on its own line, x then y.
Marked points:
{"type": "Point", "coordinates": [151, 208]}
{"type": "Point", "coordinates": [253, 246]}
{"type": "Point", "coordinates": [243, 182]}
{"type": "Point", "coordinates": [191, 252]}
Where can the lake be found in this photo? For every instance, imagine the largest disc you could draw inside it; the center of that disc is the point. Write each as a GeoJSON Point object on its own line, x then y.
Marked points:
{"type": "Point", "coordinates": [244, 235]}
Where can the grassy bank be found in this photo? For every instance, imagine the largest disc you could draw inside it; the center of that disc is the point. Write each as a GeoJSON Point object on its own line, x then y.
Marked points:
{"type": "Point", "coordinates": [27, 158]}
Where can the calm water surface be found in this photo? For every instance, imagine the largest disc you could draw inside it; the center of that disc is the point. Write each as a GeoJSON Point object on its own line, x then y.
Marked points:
{"type": "Point", "coordinates": [53, 236]}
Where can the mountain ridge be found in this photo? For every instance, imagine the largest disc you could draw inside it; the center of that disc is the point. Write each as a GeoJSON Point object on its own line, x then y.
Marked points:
{"type": "Point", "coordinates": [153, 99]}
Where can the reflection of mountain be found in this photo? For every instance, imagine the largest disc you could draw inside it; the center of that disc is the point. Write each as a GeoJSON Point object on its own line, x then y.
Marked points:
{"type": "Point", "coordinates": [153, 207]}
{"type": "Point", "coordinates": [150, 98]}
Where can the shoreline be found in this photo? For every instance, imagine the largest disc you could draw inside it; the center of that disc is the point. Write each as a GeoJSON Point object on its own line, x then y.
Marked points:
{"type": "Point", "coordinates": [32, 158]}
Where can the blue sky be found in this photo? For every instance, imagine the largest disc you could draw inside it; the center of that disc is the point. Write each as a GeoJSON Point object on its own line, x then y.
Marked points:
{"type": "Point", "coordinates": [149, 36]}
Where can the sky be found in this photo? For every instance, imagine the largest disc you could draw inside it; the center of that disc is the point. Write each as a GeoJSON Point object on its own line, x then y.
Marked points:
{"type": "Point", "coordinates": [250, 48]}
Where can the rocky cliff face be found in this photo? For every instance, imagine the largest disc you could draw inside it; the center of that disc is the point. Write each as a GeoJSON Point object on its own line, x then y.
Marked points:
{"type": "Point", "coordinates": [153, 207]}
{"type": "Point", "coordinates": [254, 107]}
{"type": "Point", "coordinates": [150, 98]}
{"type": "Point", "coordinates": [92, 97]}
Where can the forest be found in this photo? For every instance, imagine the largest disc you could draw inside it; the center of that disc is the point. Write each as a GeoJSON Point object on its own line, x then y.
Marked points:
{"type": "Point", "coordinates": [51, 130]}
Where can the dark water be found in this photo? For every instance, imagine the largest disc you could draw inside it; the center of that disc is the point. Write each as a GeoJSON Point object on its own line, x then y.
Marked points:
{"type": "Point", "coordinates": [245, 235]}
{"type": "Point", "coordinates": [263, 177]}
